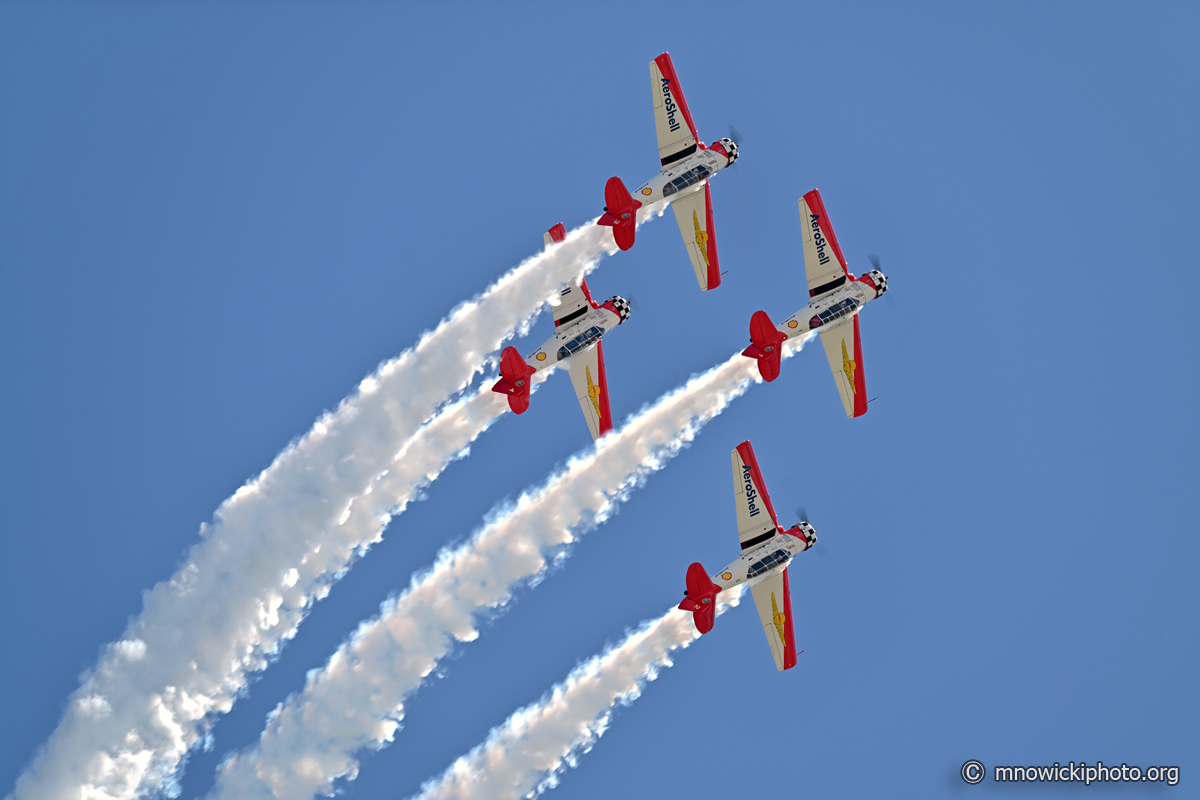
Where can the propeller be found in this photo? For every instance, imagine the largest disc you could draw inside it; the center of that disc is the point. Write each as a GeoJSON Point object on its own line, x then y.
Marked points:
{"type": "Point", "coordinates": [874, 259]}
{"type": "Point", "coordinates": [819, 547]}
{"type": "Point", "coordinates": [634, 305]}
{"type": "Point", "coordinates": [736, 136]}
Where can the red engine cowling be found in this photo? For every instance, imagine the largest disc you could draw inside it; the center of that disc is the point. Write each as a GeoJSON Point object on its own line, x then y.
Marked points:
{"type": "Point", "coordinates": [514, 380]}
{"type": "Point", "coordinates": [876, 280]}
{"type": "Point", "coordinates": [701, 598]}
{"type": "Point", "coordinates": [767, 345]}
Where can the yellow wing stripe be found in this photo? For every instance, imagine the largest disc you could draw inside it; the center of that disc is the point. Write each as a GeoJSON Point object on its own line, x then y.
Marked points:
{"type": "Point", "coordinates": [593, 392]}
{"type": "Point", "coordinates": [778, 617]}
{"type": "Point", "coordinates": [701, 238]}
{"type": "Point", "coordinates": [848, 367]}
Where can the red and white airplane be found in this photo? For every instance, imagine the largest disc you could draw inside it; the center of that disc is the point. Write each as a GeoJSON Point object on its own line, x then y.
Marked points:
{"type": "Point", "coordinates": [766, 550]}
{"type": "Point", "coordinates": [687, 166]}
{"type": "Point", "coordinates": [837, 297]}
{"type": "Point", "coordinates": [579, 324]}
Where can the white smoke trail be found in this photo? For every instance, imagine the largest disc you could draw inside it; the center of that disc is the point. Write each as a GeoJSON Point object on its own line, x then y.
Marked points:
{"type": "Point", "coordinates": [528, 752]}
{"type": "Point", "coordinates": [273, 549]}
{"type": "Point", "coordinates": [357, 700]}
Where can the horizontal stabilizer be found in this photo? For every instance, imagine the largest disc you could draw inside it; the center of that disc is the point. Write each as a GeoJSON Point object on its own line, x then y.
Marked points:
{"type": "Point", "coordinates": [555, 234]}
{"type": "Point", "coordinates": [767, 345]}
{"type": "Point", "coordinates": [701, 598]}
{"type": "Point", "coordinates": [514, 380]}
{"type": "Point", "coordinates": [620, 213]}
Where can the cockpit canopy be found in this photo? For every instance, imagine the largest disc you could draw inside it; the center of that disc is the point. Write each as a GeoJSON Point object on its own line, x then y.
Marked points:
{"type": "Point", "coordinates": [620, 305]}
{"type": "Point", "coordinates": [779, 557]}
{"type": "Point", "coordinates": [730, 148]}
{"type": "Point", "coordinates": [580, 342]}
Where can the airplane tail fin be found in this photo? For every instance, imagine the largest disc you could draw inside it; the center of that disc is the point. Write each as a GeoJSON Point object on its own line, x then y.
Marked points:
{"type": "Point", "coordinates": [514, 380]}
{"type": "Point", "coordinates": [767, 345]}
{"type": "Point", "coordinates": [701, 597]}
{"type": "Point", "coordinates": [620, 213]}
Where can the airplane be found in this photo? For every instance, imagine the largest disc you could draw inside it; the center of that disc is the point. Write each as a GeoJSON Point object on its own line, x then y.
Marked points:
{"type": "Point", "coordinates": [836, 298]}
{"type": "Point", "coordinates": [766, 551]}
{"type": "Point", "coordinates": [579, 323]}
{"type": "Point", "coordinates": [687, 166]}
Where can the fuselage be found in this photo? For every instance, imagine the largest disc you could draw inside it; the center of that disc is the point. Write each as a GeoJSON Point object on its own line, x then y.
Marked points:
{"type": "Point", "coordinates": [684, 176]}
{"type": "Point", "coordinates": [761, 562]}
{"type": "Point", "coordinates": [575, 336]}
{"type": "Point", "coordinates": [826, 309]}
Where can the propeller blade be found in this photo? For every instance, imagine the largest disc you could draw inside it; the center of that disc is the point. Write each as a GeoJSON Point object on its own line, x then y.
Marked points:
{"type": "Point", "coordinates": [819, 547]}
{"type": "Point", "coordinates": [736, 135]}
{"type": "Point", "coordinates": [874, 259]}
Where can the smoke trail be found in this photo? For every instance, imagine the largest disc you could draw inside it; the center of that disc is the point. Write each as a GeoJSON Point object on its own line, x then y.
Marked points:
{"type": "Point", "coordinates": [356, 700]}
{"type": "Point", "coordinates": [273, 549]}
{"type": "Point", "coordinates": [537, 743]}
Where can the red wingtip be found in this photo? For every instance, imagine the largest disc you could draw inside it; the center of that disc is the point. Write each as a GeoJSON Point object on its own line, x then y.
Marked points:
{"type": "Point", "coordinates": [558, 233]}
{"type": "Point", "coordinates": [714, 264]}
{"type": "Point", "coordinates": [860, 381]}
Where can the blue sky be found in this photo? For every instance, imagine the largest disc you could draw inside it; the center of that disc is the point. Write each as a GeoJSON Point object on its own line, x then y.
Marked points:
{"type": "Point", "coordinates": [216, 219]}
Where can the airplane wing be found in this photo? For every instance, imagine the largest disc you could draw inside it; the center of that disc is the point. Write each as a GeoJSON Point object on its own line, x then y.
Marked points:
{"type": "Point", "coordinates": [591, 387]}
{"type": "Point", "coordinates": [843, 348]}
{"type": "Point", "coordinates": [555, 235]}
{"type": "Point", "coordinates": [824, 264]}
{"type": "Point", "coordinates": [677, 135]}
{"type": "Point", "coordinates": [694, 214]}
{"type": "Point", "coordinates": [773, 599]}
{"type": "Point", "coordinates": [755, 515]}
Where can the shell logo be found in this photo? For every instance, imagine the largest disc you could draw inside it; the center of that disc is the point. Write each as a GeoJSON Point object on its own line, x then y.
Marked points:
{"type": "Point", "coordinates": [541, 356]}
{"type": "Point", "coordinates": [726, 575]}
{"type": "Point", "coordinates": [793, 324]}
{"type": "Point", "coordinates": [647, 191]}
